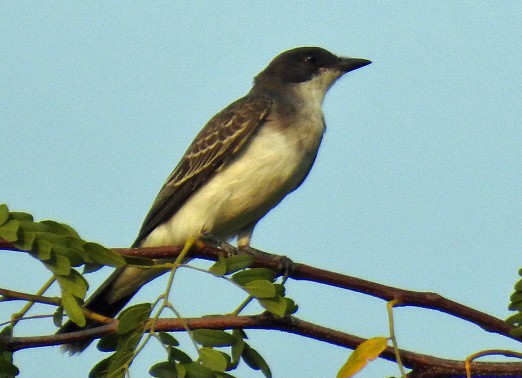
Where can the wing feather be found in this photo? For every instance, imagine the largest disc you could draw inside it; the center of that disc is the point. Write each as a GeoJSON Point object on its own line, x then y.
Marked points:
{"type": "Point", "coordinates": [221, 138]}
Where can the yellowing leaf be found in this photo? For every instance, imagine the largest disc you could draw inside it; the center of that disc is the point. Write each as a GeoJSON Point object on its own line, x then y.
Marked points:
{"type": "Point", "coordinates": [365, 352]}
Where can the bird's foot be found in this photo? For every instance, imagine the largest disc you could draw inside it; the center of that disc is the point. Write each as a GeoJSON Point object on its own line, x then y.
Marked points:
{"type": "Point", "coordinates": [286, 265]}
{"type": "Point", "coordinates": [219, 243]}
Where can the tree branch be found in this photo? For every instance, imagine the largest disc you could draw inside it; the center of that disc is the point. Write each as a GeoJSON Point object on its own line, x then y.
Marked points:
{"type": "Point", "coordinates": [406, 298]}
{"type": "Point", "coordinates": [17, 295]}
{"type": "Point", "coordinates": [422, 365]}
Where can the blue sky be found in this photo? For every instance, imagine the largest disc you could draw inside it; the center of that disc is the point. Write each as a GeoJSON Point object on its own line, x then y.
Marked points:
{"type": "Point", "coordinates": [417, 183]}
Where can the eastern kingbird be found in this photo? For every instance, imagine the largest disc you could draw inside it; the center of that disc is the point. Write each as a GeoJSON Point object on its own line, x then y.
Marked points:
{"type": "Point", "coordinates": [246, 159]}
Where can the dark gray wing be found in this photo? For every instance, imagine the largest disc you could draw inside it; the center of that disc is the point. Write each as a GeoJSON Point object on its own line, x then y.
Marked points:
{"type": "Point", "coordinates": [221, 138]}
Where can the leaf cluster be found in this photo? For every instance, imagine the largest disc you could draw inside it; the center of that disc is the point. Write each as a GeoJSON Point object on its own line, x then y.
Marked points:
{"type": "Point", "coordinates": [60, 249]}
{"type": "Point", "coordinates": [259, 283]}
{"type": "Point", "coordinates": [131, 327]}
{"type": "Point", "coordinates": [516, 305]}
{"type": "Point", "coordinates": [213, 361]}
{"type": "Point", "coordinates": [7, 368]}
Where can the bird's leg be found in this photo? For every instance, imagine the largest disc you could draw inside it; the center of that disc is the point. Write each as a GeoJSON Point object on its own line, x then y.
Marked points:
{"type": "Point", "coordinates": [219, 243]}
{"type": "Point", "coordinates": [243, 246]}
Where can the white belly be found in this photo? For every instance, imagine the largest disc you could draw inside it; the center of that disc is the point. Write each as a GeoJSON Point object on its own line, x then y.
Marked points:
{"type": "Point", "coordinates": [269, 168]}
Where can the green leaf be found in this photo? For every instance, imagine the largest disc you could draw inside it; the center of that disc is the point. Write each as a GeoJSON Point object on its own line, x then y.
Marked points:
{"type": "Point", "coordinates": [134, 317]}
{"type": "Point", "coordinates": [121, 358]}
{"type": "Point", "coordinates": [176, 354]}
{"type": "Point", "coordinates": [276, 306]}
{"type": "Point", "coordinates": [237, 349]}
{"type": "Point", "coordinates": [253, 359]}
{"type": "Point", "coordinates": [168, 339]}
{"type": "Point", "coordinates": [130, 340]}
{"type": "Point", "coordinates": [29, 225]}
{"type": "Point", "coordinates": [224, 375]}
{"type": "Point", "coordinates": [515, 306]}
{"type": "Point", "coordinates": [25, 240]}
{"type": "Point", "coordinates": [73, 255]}
{"type": "Point", "coordinates": [59, 265]}
{"type": "Point", "coordinates": [181, 370]}
{"type": "Point", "coordinates": [291, 306]}
{"type": "Point", "coordinates": [213, 338]}
{"type": "Point", "coordinates": [219, 268]}
{"type": "Point", "coordinates": [108, 343]}
{"type": "Point", "coordinates": [101, 369]}
{"type": "Point", "coordinates": [239, 333]}
{"type": "Point", "coordinates": [195, 370]}
{"type": "Point", "coordinates": [74, 284]}
{"type": "Point", "coordinates": [516, 297]}
{"type": "Point", "coordinates": [246, 276]}
{"type": "Point", "coordinates": [165, 369]}
{"type": "Point", "coordinates": [7, 369]}
{"type": "Point", "coordinates": [213, 359]}
{"type": "Point", "coordinates": [73, 309]}
{"type": "Point", "coordinates": [7, 331]}
{"type": "Point", "coordinates": [4, 213]}
{"type": "Point", "coordinates": [365, 352]}
{"type": "Point", "coordinates": [58, 316]}
{"type": "Point", "coordinates": [42, 249]}
{"type": "Point", "coordinates": [9, 231]}
{"type": "Point", "coordinates": [75, 243]}
{"type": "Point", "coordinates": [280, 290]}
{"type": "Point", "coordinates": [60, 228]}
{"type": "Point", "coordinates": [238, 262]}
{"type": "Point", "coordinates": [91, 267]}
{"type": "Point", "coordinates": [517, 332]}
{"type": "Point", "coordinates": [131, 260]}
{"type": "Point", "coordinates": [103, 255]}
{"type": "Point", "coordinates": [260, 289]}
{"type": "Point", "coordinates": [55, 240]}
{"type": "Point", "coordinates": [19, 216]}
{"type": "Point", "coordinates": [518, 286]}
{"type": "Point", "coordinates": [515, 319]}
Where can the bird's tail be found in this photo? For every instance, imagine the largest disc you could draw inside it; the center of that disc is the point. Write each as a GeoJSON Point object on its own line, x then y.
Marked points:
{"type": "Point", "coordinates": [109, 299]}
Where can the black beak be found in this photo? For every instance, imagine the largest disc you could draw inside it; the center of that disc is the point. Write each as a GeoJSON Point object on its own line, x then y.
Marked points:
{"type": "Point", "coordinates": [350, 64]}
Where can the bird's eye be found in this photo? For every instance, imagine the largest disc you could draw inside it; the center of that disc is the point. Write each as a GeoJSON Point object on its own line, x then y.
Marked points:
{"type": "Point", "coordinates": [310, 58]}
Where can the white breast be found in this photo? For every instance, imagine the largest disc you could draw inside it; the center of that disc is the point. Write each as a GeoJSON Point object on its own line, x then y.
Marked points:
{"type": "Point", "coordinates": [270, 167]}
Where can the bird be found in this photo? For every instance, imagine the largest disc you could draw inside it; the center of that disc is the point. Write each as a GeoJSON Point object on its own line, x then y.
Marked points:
{"type": "Point", "coordinates": [243, 163]}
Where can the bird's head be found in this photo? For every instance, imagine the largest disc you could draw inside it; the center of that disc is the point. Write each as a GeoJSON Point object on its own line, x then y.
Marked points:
{"type": "Point", "coordinates": [313, 67]}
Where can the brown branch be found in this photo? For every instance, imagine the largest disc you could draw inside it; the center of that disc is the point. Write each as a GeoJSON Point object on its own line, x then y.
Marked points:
{"type": "Point", "coordinates": [406, 298]}
{"type": "Point", "coordinates": [17, 295]}
{"type": "Point", "coordinates": [423, 365]}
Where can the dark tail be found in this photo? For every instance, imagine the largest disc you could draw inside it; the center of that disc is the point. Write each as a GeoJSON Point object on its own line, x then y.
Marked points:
{"type": "Point", "coordinates": [110, 298]}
